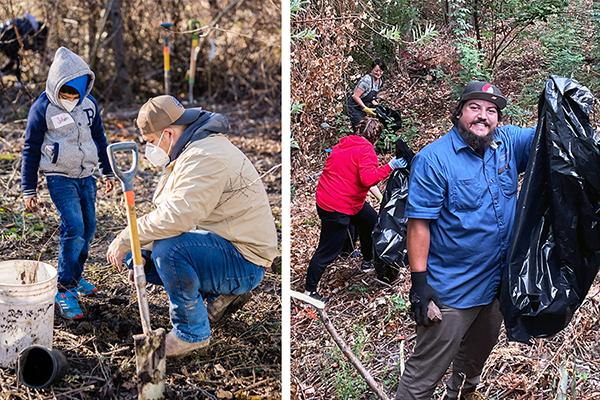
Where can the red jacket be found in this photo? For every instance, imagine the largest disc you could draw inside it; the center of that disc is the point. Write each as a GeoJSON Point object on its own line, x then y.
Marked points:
{"type": "Point", "coordinates": [350, 170]}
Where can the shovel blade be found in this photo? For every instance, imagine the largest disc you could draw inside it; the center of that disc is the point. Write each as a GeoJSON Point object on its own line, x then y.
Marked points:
{"type": "Point", "coordinates": [151, 364]}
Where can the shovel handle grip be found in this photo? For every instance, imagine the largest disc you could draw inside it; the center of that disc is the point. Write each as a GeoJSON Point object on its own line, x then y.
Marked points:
{"type": "Point", "coordinates": [126, 177]}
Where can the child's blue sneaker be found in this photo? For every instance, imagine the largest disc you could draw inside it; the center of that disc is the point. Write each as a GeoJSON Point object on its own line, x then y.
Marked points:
{"type": "Point", "coordinates": [68, 305]}
{"type": "Point", "coordinates": [86, 288]}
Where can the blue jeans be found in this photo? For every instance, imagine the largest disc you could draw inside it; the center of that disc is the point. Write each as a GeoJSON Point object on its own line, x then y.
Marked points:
{"type": "Point", "coordinates": [75, 201]}
{"type": "Point", "coordinates": [195, 266]}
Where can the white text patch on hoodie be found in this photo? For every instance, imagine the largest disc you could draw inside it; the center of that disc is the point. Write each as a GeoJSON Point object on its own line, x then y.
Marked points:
{"type": "Point", "coordinates": [62, 120]}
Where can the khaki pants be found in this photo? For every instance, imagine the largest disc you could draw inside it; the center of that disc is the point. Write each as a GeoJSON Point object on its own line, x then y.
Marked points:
{"type": "Point", "coordinates": [464, 338]}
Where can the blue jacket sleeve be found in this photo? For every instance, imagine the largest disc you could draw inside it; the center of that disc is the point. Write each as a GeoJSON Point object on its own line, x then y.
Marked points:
{"type": "Point", "coordinates": [100, 140]}
{"type": "Point", "coordinates": [32, 149]}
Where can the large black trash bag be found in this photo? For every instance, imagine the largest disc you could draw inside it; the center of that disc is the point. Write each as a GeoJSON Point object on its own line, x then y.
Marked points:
{"type": "Point", "coordinates": [390, 118]}
{"type": "Point", "coordinates": [555, 250]}
{"type": "Point", "coordinates": [389, 235]}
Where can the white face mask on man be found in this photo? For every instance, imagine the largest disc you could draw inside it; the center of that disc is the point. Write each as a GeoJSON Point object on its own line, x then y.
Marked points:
{"type": "Point", "coordinates": [156, 155]}
{"type": "Point", "coordinates": [69, 105]}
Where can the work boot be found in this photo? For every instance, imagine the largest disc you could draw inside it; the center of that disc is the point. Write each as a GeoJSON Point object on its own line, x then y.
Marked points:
{"type": "Point", "coordinates": [175, 347]}
{"type": "Point", "coordinates": [85, 288]}
{"type": "Point", "coordinates": [225, 305]}
{"type": "Point", "coordinates": [367, 266]}
{"type": "Point", "coordinates": [315, 295]}
{"type": "Point", "coordinates": [68, 306]}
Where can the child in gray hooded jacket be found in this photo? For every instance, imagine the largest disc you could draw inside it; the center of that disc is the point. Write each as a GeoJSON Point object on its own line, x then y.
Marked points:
{"type": "Point", "coordinates": [65, 140]}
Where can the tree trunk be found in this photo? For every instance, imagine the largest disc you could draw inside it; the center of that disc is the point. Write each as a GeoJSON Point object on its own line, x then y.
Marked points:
{"type": "Point", "coordinates": [446, 6]}
{"type": "Point", "coordinates": [91, 29]}
{"type": "Point", "coordinates": [476, 24]}
{"type": "Point", "coordinates": [121, 90]}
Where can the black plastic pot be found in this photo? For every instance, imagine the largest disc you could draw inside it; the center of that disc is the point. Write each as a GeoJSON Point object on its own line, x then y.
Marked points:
{"type": "Point", "coordinates": [39, 366]}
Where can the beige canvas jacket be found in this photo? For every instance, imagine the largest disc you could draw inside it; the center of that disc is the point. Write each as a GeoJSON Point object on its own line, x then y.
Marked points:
{"type": "Point", "coordinates": [212, 186]}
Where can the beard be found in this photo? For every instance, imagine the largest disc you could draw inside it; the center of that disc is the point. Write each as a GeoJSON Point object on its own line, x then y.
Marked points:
{"type": "Point", "coordinates": [477, 143]}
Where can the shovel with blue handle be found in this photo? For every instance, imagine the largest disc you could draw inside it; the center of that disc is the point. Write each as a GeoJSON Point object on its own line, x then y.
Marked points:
{"type": "Point", "coordinates": [150, 345]}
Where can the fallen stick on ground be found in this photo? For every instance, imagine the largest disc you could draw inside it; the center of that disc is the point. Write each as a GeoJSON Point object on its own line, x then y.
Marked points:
{"type": "Point", "coordinates": [342, 345]}
{"type": "Point", "coordinates": [351, 357]}
{"type": "Point", "coordinates": [318, 304]}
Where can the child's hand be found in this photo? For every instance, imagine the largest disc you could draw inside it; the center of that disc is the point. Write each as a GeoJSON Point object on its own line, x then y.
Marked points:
{"type": "Point", "coordinates": [31, 204]}
{"type": "Point", "coordinates": [109, 185]}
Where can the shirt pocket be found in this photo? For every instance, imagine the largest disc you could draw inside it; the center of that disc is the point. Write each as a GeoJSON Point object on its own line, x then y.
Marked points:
{"type": "Point", "coordinates": [52, 150]}
{"type": "Point", "coordinates": [508, 180]}
{"type": "Point", "coordinates": [467, 194]}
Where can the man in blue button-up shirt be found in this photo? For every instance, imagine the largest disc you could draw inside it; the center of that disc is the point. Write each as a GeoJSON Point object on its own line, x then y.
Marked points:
{"type": "Point", "coordinates": [461, 207]}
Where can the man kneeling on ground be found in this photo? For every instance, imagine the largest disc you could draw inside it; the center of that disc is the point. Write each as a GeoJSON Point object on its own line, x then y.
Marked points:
{"type": "Point", "coordinates": [211, 232]}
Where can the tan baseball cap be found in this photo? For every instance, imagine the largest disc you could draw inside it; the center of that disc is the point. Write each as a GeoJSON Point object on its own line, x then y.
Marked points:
{"type": "Point", "coordinates": [161, 111]}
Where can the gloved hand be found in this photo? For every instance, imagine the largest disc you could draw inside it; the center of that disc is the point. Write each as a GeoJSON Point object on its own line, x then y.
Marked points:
{"type": "Point", "coordinates": [420, 296]}
{"type": "Point", "coordinates": [370, 111]}
{"type": "Point", "coordinates": [396, 163]}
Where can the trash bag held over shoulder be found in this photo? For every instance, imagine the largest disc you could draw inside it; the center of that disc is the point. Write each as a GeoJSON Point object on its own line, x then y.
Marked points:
{"type": "Point", "coordinates": [555, 251]}
{"type": "Point", "coordinates": [389, 235]}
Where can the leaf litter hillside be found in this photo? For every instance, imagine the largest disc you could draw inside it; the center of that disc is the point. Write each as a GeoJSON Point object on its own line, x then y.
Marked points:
{"type": "Point", "coordinates": [243, 360]}
{"type": "Point", "coordinates": [430, 55]}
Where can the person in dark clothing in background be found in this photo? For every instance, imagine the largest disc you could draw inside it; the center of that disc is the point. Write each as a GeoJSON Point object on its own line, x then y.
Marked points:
{"type": "Point", "coordinates": [20, 33]}
{"type": "Point", "coordinates": [364, 97]}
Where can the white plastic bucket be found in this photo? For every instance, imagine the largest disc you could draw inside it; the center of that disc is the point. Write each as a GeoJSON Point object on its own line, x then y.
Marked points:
{"type": "Point", "coordinates": [27, 291]}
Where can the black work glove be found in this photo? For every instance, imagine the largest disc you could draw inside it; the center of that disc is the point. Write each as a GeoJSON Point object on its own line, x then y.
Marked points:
{"type": "Point", "coordinates": [420, 295]}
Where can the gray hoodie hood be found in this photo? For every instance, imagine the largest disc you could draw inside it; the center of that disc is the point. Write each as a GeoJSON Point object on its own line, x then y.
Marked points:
{"type": "Point", "coordinates": [66, 66]}
{"type": "Point", "coordinates": [206, 124]}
